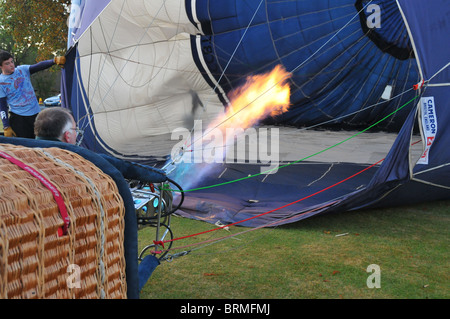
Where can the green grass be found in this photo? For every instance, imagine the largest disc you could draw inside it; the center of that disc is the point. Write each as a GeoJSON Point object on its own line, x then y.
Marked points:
{"type": "Point", "coordinates": [306, 260]}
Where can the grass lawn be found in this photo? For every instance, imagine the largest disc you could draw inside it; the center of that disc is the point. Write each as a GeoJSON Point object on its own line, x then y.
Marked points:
{"type": "Point", "coordinates": [323, 257]}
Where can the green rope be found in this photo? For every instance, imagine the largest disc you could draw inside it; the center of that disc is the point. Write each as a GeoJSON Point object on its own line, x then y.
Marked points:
{"type": "Point", "coordinates": [300, 160]}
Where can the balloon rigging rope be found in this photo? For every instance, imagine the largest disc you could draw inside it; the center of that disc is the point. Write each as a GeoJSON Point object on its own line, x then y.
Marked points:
{"type": "Point", "coordinates": [300, 160]}
{"type": "Point", "coordinates": [274, 224]}
{"type": "Point", "coordinates": [162, 242]}
{"type": "Point", "coordinates": [265, 213]}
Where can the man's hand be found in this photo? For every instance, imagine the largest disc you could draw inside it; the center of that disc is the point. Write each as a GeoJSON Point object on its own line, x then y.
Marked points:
{"type": "Point", "coordinates": [60, 60]}
{"type": "Point", "coordinates": [8, 132]}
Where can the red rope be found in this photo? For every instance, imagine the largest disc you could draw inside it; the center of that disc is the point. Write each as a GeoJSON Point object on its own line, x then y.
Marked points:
{"type": "Point", "coordinates": [161, 242]}
{"type": "Point", "coordinates": [52, 188]}
{"type": "Point", "coordinates": [246, 231]}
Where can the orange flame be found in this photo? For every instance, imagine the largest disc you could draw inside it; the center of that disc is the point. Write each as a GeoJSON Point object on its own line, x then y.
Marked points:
{"type": "Point", "coordinates": [261, 96]}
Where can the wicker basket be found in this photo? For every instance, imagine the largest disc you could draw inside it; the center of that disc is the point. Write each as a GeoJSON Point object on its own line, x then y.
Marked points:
{"type": "Point", "coordinates": [36, 260]}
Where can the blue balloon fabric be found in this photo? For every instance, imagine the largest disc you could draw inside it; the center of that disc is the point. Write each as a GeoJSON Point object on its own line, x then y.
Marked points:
{"type": "Point", "coordinates": [146, 267]}
{"type": "Point", "coordinates": [337, 64]}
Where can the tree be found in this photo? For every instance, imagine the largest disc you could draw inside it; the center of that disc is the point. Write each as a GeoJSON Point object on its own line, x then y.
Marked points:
{"type": "Point", "coordinates": [32, 31]}
{"type": "Point", "coordinates": [38, 25]}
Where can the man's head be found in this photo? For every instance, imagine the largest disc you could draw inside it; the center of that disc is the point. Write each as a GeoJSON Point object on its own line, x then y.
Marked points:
{"type": "Point", "coordinates": [6, 63]}
{"type": "Point", "coordinates": [56, 123]}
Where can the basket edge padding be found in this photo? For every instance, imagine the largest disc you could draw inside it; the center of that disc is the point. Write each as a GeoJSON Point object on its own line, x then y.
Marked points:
{"type": "Point", "coordinates": [130, 221]}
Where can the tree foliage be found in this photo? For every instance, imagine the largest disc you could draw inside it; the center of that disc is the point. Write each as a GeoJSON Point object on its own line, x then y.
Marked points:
{"type": "Point", "coordinates": [34, 25]}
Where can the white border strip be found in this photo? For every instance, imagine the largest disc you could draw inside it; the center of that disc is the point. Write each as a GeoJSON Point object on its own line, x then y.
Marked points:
{"type": "Point", "coordinates": [412, 40]}
{"type": "Point", "coordinates": [205, 67]}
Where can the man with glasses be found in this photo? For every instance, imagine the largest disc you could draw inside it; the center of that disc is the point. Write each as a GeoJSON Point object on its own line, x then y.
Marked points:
{"type": "Point", "coordinates": [56, 124]}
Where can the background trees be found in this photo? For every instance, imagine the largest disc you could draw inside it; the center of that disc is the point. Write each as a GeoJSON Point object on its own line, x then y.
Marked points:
{"type": "Point", "coordinates": [32, 31]}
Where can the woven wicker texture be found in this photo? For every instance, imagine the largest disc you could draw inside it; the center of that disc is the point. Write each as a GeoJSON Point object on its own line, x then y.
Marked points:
{"type": "Point", "coordinates": [35, 262]}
